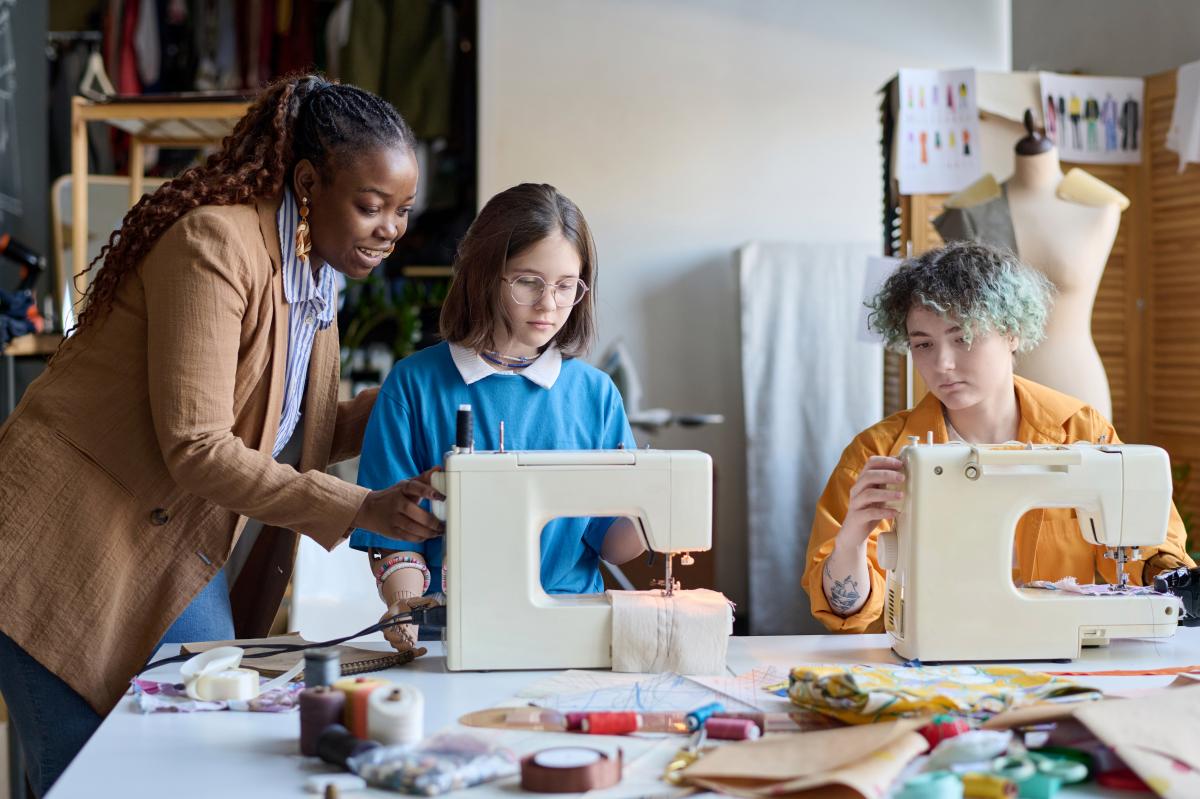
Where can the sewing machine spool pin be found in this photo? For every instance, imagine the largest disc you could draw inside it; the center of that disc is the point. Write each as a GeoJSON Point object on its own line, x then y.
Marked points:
{"type": "Point", "coordinates": [502, 435]}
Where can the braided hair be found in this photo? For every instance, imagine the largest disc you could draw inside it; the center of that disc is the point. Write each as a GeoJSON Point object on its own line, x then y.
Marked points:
{"type": "Point", "coordinates": [294, 118]}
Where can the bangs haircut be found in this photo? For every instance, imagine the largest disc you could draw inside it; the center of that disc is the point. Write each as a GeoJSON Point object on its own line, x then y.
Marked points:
{"type": "Point", "coordinates": [510, 223]}
{"type": "Point", "coordinates": [982, 288]}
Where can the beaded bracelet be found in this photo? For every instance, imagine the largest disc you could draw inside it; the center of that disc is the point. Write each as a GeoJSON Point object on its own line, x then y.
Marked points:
{"type": "Point", "coordinates": [397, 563]}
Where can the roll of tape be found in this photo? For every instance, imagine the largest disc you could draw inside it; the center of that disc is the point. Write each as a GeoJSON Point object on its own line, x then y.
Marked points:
{"type": "Point", "coordinates": [396, 715]}
{"type": "Point", "coordinates": [569, 769]}
{"type": "Point", "coordinates": [216, 676]}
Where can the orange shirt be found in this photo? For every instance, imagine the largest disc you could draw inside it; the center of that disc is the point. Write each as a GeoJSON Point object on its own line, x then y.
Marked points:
{"type": "Point", "coordinates": [1048, 543]}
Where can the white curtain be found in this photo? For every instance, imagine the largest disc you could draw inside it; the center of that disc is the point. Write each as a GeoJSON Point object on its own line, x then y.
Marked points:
{"type": "Point", "coordinates": [810, 384]}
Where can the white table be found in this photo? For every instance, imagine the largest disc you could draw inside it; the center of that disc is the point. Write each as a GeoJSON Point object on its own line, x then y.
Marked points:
{"type": "Point", "coordinates": [256, 754]}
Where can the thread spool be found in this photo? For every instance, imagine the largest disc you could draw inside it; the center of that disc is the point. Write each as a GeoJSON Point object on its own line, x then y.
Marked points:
{"type": "Point", "coordinates": [696, 719]}
{"type": "Point", "coordinates": [611, 723]}
{"type": "Point", "coordinates": [358, 691]}
{"type": "Point", "coordinates": [396, 715]}
{"type": "Point", "coordinates": [322, 667]}
{"type": "Point", "coordinates": [575, 721]}
{"type": "Point", "coordinates": [464, 429]}
{"type": "Point", "coordinates": [320, 707]}
{"type": "Point", "coordinates": [569, 769]}
{"type": "Point", "coordinates": [732, 729]}
{"type": "Point", "coordinates": [336, 745]}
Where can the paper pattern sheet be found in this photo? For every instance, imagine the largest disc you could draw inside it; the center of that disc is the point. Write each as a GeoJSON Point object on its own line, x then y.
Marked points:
{"type": "Point", "coordinates": [1094, 120]}
{"type": "Point", "coordinates": [938, 131]}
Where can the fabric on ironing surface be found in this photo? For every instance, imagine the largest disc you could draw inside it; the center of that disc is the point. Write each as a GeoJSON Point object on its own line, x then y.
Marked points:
{"type": "Point", "coordinates": [809, 384]}
{"type": "Point", "coordinates": [686, 633]}
{"type": "Point", "coordinates": [870, 694]}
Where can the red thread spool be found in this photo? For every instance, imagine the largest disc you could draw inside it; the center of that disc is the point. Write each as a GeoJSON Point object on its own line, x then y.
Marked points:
{"type": "Point", "coordinates": [732, 729]}
{"type": "Point", "coordinates": [575, 721]}
{"type": "Point", "coordinates": [939, 731]}
{"type": "Point", "coordinates": [611, 723]}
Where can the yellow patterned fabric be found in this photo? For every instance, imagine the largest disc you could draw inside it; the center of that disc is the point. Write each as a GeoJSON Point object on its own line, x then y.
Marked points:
{"type": "Point", "coordinates": [868, 694]}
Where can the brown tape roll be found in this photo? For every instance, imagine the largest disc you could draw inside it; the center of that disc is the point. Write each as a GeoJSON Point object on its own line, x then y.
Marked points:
{"type": "Point", "coordinates": [569, 769]}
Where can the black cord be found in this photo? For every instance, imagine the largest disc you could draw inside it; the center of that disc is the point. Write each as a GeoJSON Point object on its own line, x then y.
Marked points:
{"type": "Point", "coordinates": [282, 649]}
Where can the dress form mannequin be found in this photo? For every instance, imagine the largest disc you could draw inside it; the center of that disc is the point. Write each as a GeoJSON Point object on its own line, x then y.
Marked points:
{"type": "Point", "coordinates": [1065, 227]}
{"type": "Point", "coordinates": [1069, 243]}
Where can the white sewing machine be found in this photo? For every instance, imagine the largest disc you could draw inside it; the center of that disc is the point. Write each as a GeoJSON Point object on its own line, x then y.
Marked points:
{"type": "Point", "coordinates": [497, 503]}
{"type": "Point", "coordinates": [950, 592]}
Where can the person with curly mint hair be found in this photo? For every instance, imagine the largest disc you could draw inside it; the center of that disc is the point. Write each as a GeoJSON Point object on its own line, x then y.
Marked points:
{"type": "Point", "coordinates": [963, 311]}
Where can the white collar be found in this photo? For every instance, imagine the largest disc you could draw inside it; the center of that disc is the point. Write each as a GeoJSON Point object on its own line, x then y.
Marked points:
{"type": "Point", "coordinates": [544, 371]}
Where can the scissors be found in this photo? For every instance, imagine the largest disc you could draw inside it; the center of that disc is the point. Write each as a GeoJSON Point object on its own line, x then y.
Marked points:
{"type": "Point", "coordinates": [685, 757]}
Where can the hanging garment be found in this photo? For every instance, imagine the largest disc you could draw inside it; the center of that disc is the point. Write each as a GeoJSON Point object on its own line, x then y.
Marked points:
{"type": "Point", "coordinates": [1183, 136]}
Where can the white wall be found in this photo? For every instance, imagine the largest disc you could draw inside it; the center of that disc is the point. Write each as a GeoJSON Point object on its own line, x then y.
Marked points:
{"type": "Point", "coordinates": [1105, 37]}
{"type": "Point", "coordinates": [685, 128]}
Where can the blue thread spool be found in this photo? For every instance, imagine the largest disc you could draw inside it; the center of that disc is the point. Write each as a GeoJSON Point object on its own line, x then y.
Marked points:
{"type": "Point", "coordinates": [695, 720]}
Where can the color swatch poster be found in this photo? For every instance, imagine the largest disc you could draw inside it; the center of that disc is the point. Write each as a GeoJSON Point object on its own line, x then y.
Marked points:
{"type": "Point", "coordinates": [938, 130]}
{"type": "Point", "coordinates": [1094, 120]}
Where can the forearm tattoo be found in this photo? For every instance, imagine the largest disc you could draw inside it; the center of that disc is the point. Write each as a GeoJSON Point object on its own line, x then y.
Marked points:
{"type": "Point", "coordinates": [844, 594]}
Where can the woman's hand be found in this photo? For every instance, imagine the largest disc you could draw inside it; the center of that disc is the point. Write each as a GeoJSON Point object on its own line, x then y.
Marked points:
{"type": "Point", "coordinates": [394, 512]}
{"type": "Point", "coordinates": [870, 497]}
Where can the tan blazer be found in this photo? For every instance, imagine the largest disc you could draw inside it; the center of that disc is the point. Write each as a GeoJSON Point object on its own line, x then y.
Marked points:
{"type": "Point", "coordinates": [128, 468]}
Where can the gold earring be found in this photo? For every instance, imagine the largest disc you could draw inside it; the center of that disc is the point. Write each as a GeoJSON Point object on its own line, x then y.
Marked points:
{"type": "Point", "coordinates": [303, 245]}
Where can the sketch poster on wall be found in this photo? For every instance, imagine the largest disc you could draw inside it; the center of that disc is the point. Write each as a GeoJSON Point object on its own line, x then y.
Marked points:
{"type": "Point", "coordinates": [1094, 120]}
{"type": "Point", "coordinates": [938, 130]}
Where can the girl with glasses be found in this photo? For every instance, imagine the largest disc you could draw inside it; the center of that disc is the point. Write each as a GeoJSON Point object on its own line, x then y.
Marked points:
{"type": "Point", "coordinates": [517, 318]}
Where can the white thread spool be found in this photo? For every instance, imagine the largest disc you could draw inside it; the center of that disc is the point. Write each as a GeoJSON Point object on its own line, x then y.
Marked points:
{"type": "Point", "coordinates": [396, 715]}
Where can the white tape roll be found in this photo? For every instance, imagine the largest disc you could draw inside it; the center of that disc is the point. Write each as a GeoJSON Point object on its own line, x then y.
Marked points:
{"type": "Point", "coordinates": [215, 676]}
{"type": "Point", "coordinates": [396, 715]}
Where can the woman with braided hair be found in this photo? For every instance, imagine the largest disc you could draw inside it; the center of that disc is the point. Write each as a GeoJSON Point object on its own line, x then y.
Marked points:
{"type": "Point", "coordinates": [199, 390]}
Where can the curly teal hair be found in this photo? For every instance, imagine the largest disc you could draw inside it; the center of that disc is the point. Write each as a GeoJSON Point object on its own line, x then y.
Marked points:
{"type": "Point", "coordinates": [983, 288]}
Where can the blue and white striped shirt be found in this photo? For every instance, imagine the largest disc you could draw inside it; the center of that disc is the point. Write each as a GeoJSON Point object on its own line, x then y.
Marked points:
{"type": "Point", "coordinates": [313, 304]}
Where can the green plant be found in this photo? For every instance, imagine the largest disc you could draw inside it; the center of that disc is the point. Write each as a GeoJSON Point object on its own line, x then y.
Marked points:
{"type": "Point", "coordinates": [399, 305]}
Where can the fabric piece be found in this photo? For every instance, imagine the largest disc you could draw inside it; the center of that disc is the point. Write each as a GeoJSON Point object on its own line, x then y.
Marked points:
{"type": "Point", "coordinates": [870, 694]}
{"type": "Point", "coordinates": [1183, 136]}
{"type": "Point", "coordinates": [473, 368]}
{"type": "Point", "coordinates": [151, 696]}
{"type": "Point", "coordinates": [1069, 585]}
{"type": "Point", "coordinates": [1048, 544]}
{"type": "Point", "coordinates": [988, 223]}
{"type": "Point", "coordinates": [686, 633]}
{"type": "Point", "coordinates": [809, 385]}
{"type": "Point", "coordinates": [412, 428]}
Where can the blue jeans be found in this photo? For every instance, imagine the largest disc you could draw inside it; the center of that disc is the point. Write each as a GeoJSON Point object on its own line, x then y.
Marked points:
{"type": "Point", "coordinates": [52, 721]}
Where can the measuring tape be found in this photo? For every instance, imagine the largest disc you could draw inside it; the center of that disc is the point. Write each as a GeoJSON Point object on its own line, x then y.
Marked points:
{"type": "Point", "coordinates": [569, 769]}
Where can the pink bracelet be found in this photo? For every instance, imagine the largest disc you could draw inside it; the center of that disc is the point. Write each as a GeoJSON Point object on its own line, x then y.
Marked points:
{"type": "Point", "coordinates": [398, 564]}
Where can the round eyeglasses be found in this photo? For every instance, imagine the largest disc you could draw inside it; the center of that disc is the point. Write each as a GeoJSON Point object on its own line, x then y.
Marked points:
{"type": "Point", "coordinates": [529, 289]}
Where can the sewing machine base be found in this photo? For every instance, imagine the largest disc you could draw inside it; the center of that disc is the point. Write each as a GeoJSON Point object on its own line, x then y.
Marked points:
{"type": "Point", "coordinates": [1064, 625]}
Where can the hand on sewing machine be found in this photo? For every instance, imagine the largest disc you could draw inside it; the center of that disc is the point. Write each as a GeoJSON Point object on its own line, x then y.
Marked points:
{"type": "Point", "coordinates": [879, 484]}
{"type": "Point", "coordinates": [394, 512]}
{"type": "Point", "coordinates": [846, 579]}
